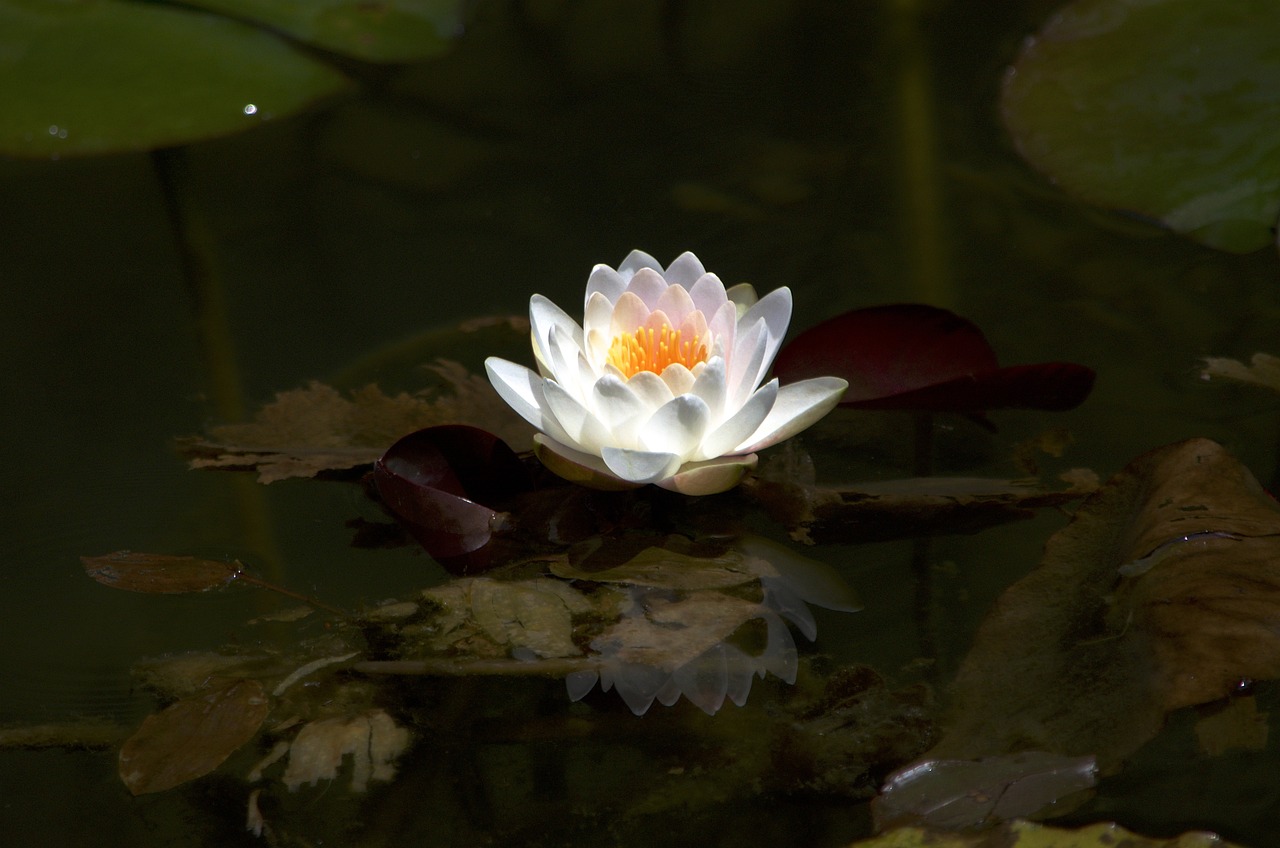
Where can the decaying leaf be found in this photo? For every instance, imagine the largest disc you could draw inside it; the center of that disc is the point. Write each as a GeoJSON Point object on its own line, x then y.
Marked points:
{"type": "Point", "coordinates": [317, 429]}
{"type": "Point", "coordinates": [159, 573]}
{"type": "Point", "coordinates": [1163, 592]}
{"type": "Point", "coordinates": [487, 618]}
{"type": "Point", "coordinates": [1025, 834]}
{"type": "Point", "coordinates": [192, 737]}
{"type": "Point", "coordinates": [1263, 370]}
{"type": "Point", "coordinates": [899, 509]}
{"type": "Point", "coordinates": [372, 738]}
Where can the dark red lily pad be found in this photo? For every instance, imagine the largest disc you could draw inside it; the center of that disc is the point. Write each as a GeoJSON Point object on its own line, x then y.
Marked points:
{"type": "Point", "coordinates": [444, 483]}
{"type": "Point", "coordinates": [919, 357]}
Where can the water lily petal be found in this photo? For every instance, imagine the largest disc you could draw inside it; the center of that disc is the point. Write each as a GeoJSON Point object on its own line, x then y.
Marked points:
{"type": "Point", "coordinates": [523, 390]}
{"type": "Point", "coordinates": [629, 314]}
{"type": "Point", "coordinates": [651, 389]}
{"type": "Point", "coordinates": [566, 369]}
{"type": "Point", "coordinates": [576, 466]}
{"type": "Point", "coordinates": [748, 355]}
{"type": "Point", "coordinates": [744, 295]}
{"type": "Point", "coordinates": [543, 315]}
{"type": "Point", "coordinates": [583, 430]}
{"type": "Point", "coordinates": [685, 270]}
{"type": "Point", "coordinates": [710, 385]}
{"type": "Point", "coordinates": [636, 260]}
{"type": "Point", "coordinates": [722, 326]}
{"type": "Point", "coordinates": [648, 285]}
{"type": "Point", "coordinates": [620, 409]}
{"type": "Point", "coordinates": [708, 294]}
{"type": "Point", "coordinates": [676, 303]}
{"type": "Point", "coordinates": [798, 405]}
{"type": "Point", "coordinates": [710, 477]}
{"type": "Point", "coordinates": [640, 466]}
{"type": "Point", "coordinates": [678, 378]}
{"type": "Point", "coordinates": [774, 310]}
{"type": "Point", "coordinates": [677, 427]}
{"type": "Point", "coordinates": [745, 422]}
{"type": "Point", "coordinates": [605, 282]}
{"type": "Point", "coordinates": [598, 316]}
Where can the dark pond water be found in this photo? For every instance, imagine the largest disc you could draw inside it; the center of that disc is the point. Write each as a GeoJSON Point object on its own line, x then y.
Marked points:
{"type": "Point", "coordinates": [768, 138]}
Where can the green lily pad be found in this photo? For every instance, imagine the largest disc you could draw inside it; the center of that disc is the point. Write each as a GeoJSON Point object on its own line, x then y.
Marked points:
{"type": "Point", "coordinates": [103, 76]}
{"type": "Point", "coordinates": [373, 30]}
{"type": "Point", "coordinates": [1164, 108]}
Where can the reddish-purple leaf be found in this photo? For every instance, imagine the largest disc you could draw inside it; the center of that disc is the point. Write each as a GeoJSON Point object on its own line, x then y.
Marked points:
{"type": "Point", "coordinates": [913, 356]}
{"type": "Point", "coordinates": [159, 573]}
{"type": "Point", "coordinates": [441, 483]}
{"type": "Point", "coordinates": [192, 737]}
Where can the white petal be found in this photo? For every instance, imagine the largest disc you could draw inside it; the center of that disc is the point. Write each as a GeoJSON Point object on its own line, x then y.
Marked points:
{"type": "Point", "coordinates": [584, 430]}
{"type": "Point", "coordinates": [676, 303]}
{"type": "Point", "coordinates": [798, 405]}
{"type": "Point", "coordinates": [678, 378]}
{"type": "Point", "coordinates": [618, 407]}
{"type": "Point", "coordinates": [748, 354]}
{"type": "Point", "coordinates": [543, 315]}
{"type": "Point", "coordinates": [636, 260]}
{"type": "Point", "coordinates": [567, 365]}
{"type": "Point", "coordinates": [774, 310]}
{"type": "Point", "coordinates": [677, 427]}
{"type": "Point", "coordinates": [651, 389]}
{"type": "Point", "coordinates": [743, 424]}
{"type": "Point", "coordinates": [685, 269]}
{"type": "Point", "coordinates": [606, 282]}
{"type": "Point", "coordinates": [598, 316]}
{"type": "Point", "coordinates": [744, 295]}
{"type": "Point", "coordinates": [576, 466]}
{"type": "Point", "coordinates": [629, 314]}
{"type": "Point", "coordinates": [722, 327]}
{"type": "Point", "coordinates": [710, 385]}
{"type": "Point", "coordinates": [648, 285]}
{"type": "Point", "coordinates": [708, 294]}
{"type": "Point", "coordinates": [523, 390]}
{"type": "Point", "coordinates": [710, 477]}
{"type": "Point", "coordinates": [640, 466]}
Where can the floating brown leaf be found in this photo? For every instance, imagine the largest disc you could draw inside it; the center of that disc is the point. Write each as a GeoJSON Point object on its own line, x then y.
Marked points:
{"type": "Point", "coordinates": [192, 737]}
{"type": "Point", "coordinates": [159, 573]}
{"type": "Point", "coordinates": [308, 431]}
{"type": "Point", "coordinates": [1163, 592]}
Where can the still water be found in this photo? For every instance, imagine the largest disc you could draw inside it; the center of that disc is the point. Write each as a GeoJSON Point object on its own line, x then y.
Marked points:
{"type": "Point", "coordinates": [770, 139]}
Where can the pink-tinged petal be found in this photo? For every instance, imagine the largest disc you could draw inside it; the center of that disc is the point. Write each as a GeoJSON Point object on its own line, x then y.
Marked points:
{"type": "Point", "coordinates": [745, 422]}
{"type": "Point", "coordinates": [676, 303]}
{"type": "Point", "coordinates": [685, 270]}
{"type": "Point", "coordinates": [798, 406]}
{"type": "Point", "coordinates": [619, 409]}
{"type": "Point", "coordinates": [748, 356]}
{"type": "Point", "coordinates": [648, 285]}
{"type": "Point", "coordinates": [679, 379]}
{"type": "Point", "coordinates": [708, 294]}
{"type": "Point", "coordinates": [743, 296]}
{"type": "Point", "coordinates": [523, 390]}
{"type": "Point", "coordinates": [710, 477]}
{"type": "Point", "coordinates": [543, 315]}
{"type": "Point", "coordinates": [629, 314]}
{"type": "Point", "coordinates": [605, 282]}
{"type": "Point", "coordinates": [711, 387]}
{"type": "Point", "coordinates": [576, 466]}
{"type": "Point", "coordinates": [583, 429]}
{"type": "Point", "coordinates": [651, 389]}
{"type": "Point", "coordinates": [656, 321]}
{"type": "Point", "coordinates": [598, 316]}
{"type": "Point", "coordinates": [640, 466]}
{"type": "Point", "coordinates": [677, 427]}
{"type": "Point", "coordinates": [694, 324]}
{"type": "Point", "coordinates": [636, 260]}
{"type": "Point", "coordinates": [722, 326]}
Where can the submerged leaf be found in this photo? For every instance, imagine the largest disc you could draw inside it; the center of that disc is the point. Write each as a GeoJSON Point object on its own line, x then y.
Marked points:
{"type": "Point", "coordinates": [305, 432]}
{"type": "Point", "coordinates": [918, 357]}
{"type": "Point", "coordinates": [109, 76]}
{"type": "Point", "coordinates": [1163, 592]}
{"type": "Point", "coordinates": [373, 740]}
{"type": "Point", "coordinates": [1025, 834]}
{"type": "Point", "coordinates": [159, 573]}
{"type": "Point", "coordinates": [192, 737]}
{"type": "Point", "coordinates": [1166, 108]}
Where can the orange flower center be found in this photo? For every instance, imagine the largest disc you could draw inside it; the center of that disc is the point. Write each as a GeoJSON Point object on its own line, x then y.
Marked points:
{"type": "Point", "coordinates": [646, 350]}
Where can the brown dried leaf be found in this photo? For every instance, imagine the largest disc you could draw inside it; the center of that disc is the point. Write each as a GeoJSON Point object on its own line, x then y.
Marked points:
{"type": "Point", "coordinates": [896, 509]}
{"type": "Point", "coordinates": [192, 737]}
{"type": "Point", "coordinates": [1163, 592]}
{"type": "Point", "coordinates": [308, 431]}
{"type": "Point", "coordinates": [159, 573]}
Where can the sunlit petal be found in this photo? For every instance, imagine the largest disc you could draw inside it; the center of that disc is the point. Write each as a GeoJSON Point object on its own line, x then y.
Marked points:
{"type": "Point", "coordinates": [710, 477]}
{"type": "Point", "coordinates": [640, 466]}
{"type": "Point", "coordinates": [744, 422]}
{"type": "Point", "coordinates": [647, 285]}
{"type": "Point", "coordinates": [798, 405]}
{"type": "Point", "coordinates": [677, 427]}
{"type": "Point", "coordinates": [606, 282]}
{"type": "Point", "coordinates": [636, 260]}
{"type": "Point", "coordinates": [583, 429]}
{"type": "Point", "coordinates": [522, 389]}
{"type": "Point", "coordinates": [685, 270]}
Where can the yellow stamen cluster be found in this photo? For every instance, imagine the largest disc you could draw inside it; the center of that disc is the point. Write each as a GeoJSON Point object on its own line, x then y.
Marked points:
{"type": "Point", "coordinates": [650, 351]}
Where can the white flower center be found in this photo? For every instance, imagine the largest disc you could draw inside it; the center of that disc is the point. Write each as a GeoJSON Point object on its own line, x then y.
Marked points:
{"type": "Point", "coordinates": [647, 350]}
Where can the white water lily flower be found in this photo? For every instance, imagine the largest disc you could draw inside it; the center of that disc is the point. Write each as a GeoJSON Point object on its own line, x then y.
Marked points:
{"type": "Point", "coordinates": [662, 381]}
